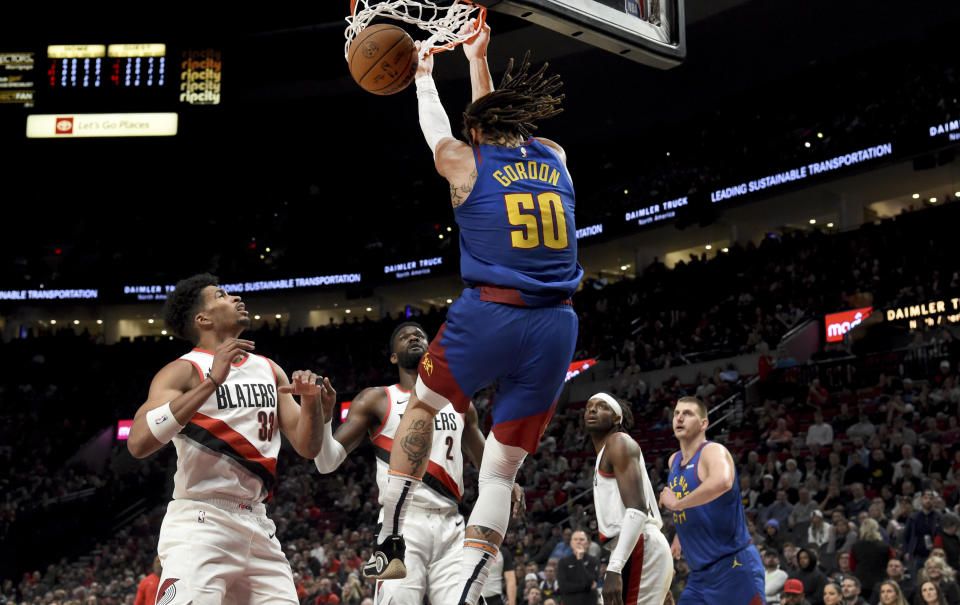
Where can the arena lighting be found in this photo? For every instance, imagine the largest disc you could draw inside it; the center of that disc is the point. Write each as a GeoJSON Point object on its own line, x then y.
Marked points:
{"type": "Point", "coordinates": [624, 267]}
{"type": "Point", "coordinates": [262, 257]}
{"type": "Point", "coordinates": [440, 236]}
{"type": "Point", "coordinates": [813, 221]}
{"type": "Point", "coordinates": [76, 322]}
{"type": "Point", "coordinates": [266, 249]}
{"type": "Point", "coordinates": [99, 322]}
{"type": "Point", "coordinates": [626, 191]}
{"type": "Point", "coordinates": [819, 135]}
{"type": "Point", "coordinates": [150, 321]}
{"type": "Point", "coordinates": [709, 247]}
{"type": "Point", "coordinates": [278, 316]}
{"type": "Point", "coordinates": [369, 309]}
{"type": "Point", "coordinates": [829, 225]}
{"type": "Point", "coordinates": [915, 196]}
{"type": "Point", "coordinates": [346, 310]}
{"type": "Point", "coordinates": [932, 200]}
{"type": "Point", "coordinates": [53, 322]}
{"type": "Point", "coordinates": [256, 317]}
{"type": "Point", "coordinates": [957, 194]}
{"type": "Point", "coordinates": [725, 250]}
{"type": "Point", "coordinates": [449, 301]}
{"type": "Point", "coordinates": [449, 228]}
{"type": "Point", "coordinates": [807, 144]}
{"type": "Point", "coordinates": [163, 332]}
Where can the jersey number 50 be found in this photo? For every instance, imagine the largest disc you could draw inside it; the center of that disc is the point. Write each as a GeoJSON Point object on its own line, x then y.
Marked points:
{"type": "Point", "coordinates": [551, 216]}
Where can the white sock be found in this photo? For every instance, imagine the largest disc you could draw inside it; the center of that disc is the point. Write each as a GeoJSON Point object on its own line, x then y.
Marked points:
{"type": "Point", "coordinates": [478, 556]}
{"type": "Point", "coordinates": [396, 498]}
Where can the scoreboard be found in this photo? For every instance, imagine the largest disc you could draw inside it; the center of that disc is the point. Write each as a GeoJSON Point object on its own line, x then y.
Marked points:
{"type": "Point", "coordinates": [107, 89]}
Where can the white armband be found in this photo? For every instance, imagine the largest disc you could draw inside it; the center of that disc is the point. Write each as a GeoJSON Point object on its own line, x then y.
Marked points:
{"type": "Point", "coordinates": [331, 452]}
{"type": "Point", "coordinates": [433, 118]}
{"type": "Point", "coordinates": [162, 423]}
{"type": "Point", "coordinates": [630, 530]}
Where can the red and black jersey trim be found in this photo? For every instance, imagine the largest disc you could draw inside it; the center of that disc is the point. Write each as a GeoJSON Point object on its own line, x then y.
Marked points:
{"type": "Point", "coordinates": [436, 478]}
{"type": "Point", "coordinates": [217, 436]}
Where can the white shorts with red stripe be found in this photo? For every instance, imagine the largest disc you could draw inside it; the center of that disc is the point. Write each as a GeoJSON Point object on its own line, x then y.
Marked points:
{"type": "Point", "coordinates": [221, 551]}
{"type": "Point", "coordinates": [648, 572]}
{"type": "Point", "coordinates": [434, 540]}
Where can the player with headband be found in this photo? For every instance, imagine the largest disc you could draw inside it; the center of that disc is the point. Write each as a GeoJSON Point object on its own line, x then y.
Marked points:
{"type": "Point", "coordinates": [640, 568]}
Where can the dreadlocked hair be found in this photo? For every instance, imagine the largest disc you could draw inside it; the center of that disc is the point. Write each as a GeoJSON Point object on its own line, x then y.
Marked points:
{"type": "Point", "coordinates": [522, 98]}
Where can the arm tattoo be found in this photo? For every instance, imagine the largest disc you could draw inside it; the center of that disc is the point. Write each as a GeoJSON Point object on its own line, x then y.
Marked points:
{"type": "Point", "coordinates": [458, 195]}
{"type": "Point", "coordinates": [486, 532]}
{"type": "Point", "coordinates": [416, 443]}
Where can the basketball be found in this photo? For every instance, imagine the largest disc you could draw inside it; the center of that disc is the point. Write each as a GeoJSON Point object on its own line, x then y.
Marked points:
{"type": "Point", "coordinates": [381, 59]}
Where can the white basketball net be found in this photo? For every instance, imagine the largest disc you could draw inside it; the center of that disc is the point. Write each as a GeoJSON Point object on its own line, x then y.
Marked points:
{"type": "Point", "coordinates": [442, 22]}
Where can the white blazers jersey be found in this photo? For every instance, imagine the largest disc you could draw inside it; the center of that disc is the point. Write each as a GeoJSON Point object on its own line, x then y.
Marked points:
{"type": "Point", "coordinates": [229, 448]}
{"type": "Point", "coordinates": [444, 476]}
{"type": "Point", "coordinates": [609, 506]}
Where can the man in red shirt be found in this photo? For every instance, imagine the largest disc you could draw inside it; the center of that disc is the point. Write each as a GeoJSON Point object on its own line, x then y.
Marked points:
{"type": "Point", "coordinates": [326, 594]}
{"type": "Point", "coordinates": [147, 589]}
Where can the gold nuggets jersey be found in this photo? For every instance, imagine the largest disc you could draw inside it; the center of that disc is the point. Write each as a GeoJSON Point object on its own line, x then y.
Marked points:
{"type": "Point", "coordinates": [609, 505]}
{"type": "Point", "coordinates": [229, 448]}
{"type": "Point", "coordinates": [444, 476]}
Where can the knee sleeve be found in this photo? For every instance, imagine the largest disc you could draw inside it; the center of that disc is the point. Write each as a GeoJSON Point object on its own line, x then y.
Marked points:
{"type": "Point", "coordinates": [498, 470]}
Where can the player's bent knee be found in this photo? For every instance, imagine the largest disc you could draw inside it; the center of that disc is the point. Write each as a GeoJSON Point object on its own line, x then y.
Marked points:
{"type": "Point", "coordinates": [428, 398]}
{"type": "Point", "coordinates": [497, 473]}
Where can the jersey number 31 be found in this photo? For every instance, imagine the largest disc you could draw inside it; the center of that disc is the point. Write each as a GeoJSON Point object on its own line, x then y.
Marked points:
{"type": "Point", "coordinates": [523, 212]}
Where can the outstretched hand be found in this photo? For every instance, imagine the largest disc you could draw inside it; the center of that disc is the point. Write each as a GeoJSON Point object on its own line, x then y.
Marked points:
{"type": "Point", "coordinates": [476, 47]}
{"type": "Point", "coordinates": [308, 386]}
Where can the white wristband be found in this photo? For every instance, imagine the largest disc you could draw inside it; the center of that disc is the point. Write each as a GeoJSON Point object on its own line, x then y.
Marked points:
{"type": "Point", "coordinates": [162, 423]}
{"type": "Point", "coordinates": [630, 530]}
{"type": "Point", "coordinates": [433, 118]}
{"type": "Point", "coordinates": [331, 452]}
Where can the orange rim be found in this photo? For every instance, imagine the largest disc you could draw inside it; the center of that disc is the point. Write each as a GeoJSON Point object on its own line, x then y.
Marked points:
{"type": "Point", "coordinates": [481, 19]}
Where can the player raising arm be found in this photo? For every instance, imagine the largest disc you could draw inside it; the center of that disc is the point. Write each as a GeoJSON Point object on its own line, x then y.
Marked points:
{"type": "Point", "coordinates": [222, 406]}
{"type": "Point", "coordinates": [514, 324]}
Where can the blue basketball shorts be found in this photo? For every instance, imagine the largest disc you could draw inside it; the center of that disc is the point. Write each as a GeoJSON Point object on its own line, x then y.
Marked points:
{"type": "Point", "coordinates": [526, 350]}
{"type": "Point", "coordinates": [737, 579]}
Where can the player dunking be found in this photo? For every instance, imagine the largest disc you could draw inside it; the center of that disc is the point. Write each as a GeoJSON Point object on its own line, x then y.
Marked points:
{"type": "Point", "coordinates": [222, 406]}
{"type": "Point", "coordinates": [640, 568]}
{"type": "Point", "coordinates": [435, 531]}
{"type": "Point", "coordinates": [704, 495]}
{"type": "Point", "coordinates": [514, 202]}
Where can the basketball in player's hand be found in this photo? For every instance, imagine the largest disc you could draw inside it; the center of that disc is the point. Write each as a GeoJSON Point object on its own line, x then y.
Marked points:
{"type": "Point", "coordinates": [382, 60]}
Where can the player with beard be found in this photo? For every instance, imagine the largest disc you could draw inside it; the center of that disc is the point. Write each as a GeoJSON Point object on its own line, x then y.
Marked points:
{"type": "Point", "coordinates": [640, 568]}
{"type": "Point", "coordinates": [435, 536]}
{"type": "Point", "coordinates": [222, 407]}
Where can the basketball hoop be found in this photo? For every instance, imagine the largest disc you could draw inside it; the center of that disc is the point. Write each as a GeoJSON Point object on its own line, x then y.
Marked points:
{"type": "Point", "coordinates": [443, 23]}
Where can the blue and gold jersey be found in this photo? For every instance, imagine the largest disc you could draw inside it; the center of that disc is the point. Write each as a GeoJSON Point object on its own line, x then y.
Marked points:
{"type": "Point", "coordinates": [710, 531]}
{"type": "Point", "coordinates": [517, 227]}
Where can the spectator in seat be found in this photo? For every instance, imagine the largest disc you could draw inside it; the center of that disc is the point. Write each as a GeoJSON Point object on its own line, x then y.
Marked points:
{"type": "Point", "coordinates": [948, 540]}
{"type": "Point", "coordinates": [819, 432]}
{"type": "Point", "coordinates": [863, 428]}
{"type": "Point", "coordinates": [907, 459]}
{"type": "Point", "coordinates": [937, 571]}
{"type": "Point", "coordinates": [793, 593]}
{"type": "Point", "coordinates": [896, 573]}
{"type": "Point", "coordinates": [850, 589]}
{"type": "Point", "coordinates": [889, 593]}
{"type": "Point", "coordinates": [820, 532]}
{"type": "Point", "coordinates": [810, 575]}
{"type": "Point", "coordinates": [774, 577]}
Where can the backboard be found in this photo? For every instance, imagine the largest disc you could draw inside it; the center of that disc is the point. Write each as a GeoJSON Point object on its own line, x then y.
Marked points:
{"type": "Point", "coordinates": [652, 32]}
